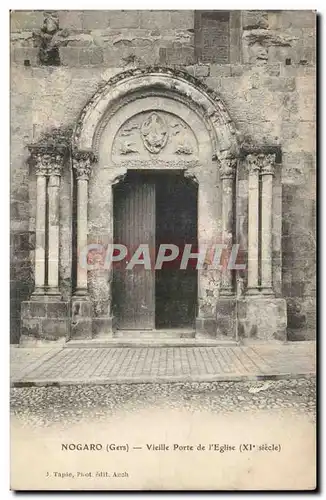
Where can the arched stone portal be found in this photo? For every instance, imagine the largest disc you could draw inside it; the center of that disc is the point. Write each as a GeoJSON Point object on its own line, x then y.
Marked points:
{"type": "Point", "coordinates": [158, 121]}
{"type": "Point", "coordinates": [163, 120]}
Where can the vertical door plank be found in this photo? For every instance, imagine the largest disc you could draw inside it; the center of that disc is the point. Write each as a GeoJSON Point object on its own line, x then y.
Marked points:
{"type": "Point", "coordinates": [134, 290]}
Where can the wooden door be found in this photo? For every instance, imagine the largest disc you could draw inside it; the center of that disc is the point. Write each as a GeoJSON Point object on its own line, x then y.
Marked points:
{"type": "Point", "coordinates": [134, 224]}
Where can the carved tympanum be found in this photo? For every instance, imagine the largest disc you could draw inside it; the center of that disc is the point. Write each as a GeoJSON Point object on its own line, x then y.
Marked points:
{"type": "Point", "coordinates": [127, 148]}
{"type": "Point", "coordinates": [154, 133]}
{"type": "Point", "coordinates": [183, 144]}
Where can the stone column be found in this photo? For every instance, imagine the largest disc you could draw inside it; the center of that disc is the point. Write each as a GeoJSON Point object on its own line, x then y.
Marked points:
{"type": "Point", "coordinates": [267, 172]}
{"type": "Point", "coordinates": [82, 162]}
{"type": "Point", "coordinates": [45, 317]}
{"type": "Point", "coordinates": [81, 315]}
{"type": "Point", "coordinates": [253, 162]}
{"type": "Point", "coordinates": [41, 165]}
{"type": "Point", "coordinates": [54, 172]}
{"type": "Point", "coordinates": [227, 174]}
{"type": "Point", "coordinates": [208, 235]}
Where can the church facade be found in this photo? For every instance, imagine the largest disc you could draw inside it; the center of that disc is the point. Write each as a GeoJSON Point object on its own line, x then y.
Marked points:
{"type": "Point", "coordinates": [178, 136]}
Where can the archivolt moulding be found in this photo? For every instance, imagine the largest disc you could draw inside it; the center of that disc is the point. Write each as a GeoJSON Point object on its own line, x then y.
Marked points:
{"type": "Point", "coordinates": [176, 84]}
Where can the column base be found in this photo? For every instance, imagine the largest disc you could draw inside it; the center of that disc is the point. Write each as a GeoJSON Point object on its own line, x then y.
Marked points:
{"type": "Point", "coordinates": [253, 291]}
{"type": "Point", "coordinates": [44, 319]}
{"type": "Point", "coordinates": [53, 292]}
{"type": "Point", "coordinates": [38, 292]}
{"type": "Point", "coordinates": [81, 292]}
{"type": "Point", "coordinates": [81, 317]}
{"type": "Point", "coordinates": [206, 327]}
{"type": "Point", "coordinates": [267, 291]}
{"type": "Point", "coordinates": [103, 327]}
{"type": "Point", "coordinates": [262, 318]}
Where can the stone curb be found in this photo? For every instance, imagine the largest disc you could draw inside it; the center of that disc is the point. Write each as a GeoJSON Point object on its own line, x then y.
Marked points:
{"type": "Point", "coordinates": [159, 380]}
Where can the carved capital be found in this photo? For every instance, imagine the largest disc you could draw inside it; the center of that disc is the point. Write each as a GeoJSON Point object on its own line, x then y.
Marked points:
{"type": "Point", "coordinates": [262, 163]}
{"type": "Point", "coordinates": [267, 164]}
{"type": "Point", "coordinates": [47, 162]}
{"type": "Point", "coordinates": [56, 164]}
{"type": "Point", "coordinates": [82, 163]}
{"type": "Point", "coordinates": [253, 163]}
{"type": "Point", "coordinates": [228, 166]}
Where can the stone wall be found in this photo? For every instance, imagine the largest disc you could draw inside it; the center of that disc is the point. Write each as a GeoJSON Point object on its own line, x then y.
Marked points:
{"type": "Point", "coordinates": [268, 87]}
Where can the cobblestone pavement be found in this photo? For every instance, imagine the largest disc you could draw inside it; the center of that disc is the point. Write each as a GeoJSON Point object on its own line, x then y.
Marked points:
{"type": "Point", "coordinates": [66, 405]}
{"type": "Point", "coordinates": [159, 364]}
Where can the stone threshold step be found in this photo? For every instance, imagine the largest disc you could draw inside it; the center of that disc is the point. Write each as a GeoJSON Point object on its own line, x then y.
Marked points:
{"type": "Point", "coordinates": [149, 342]}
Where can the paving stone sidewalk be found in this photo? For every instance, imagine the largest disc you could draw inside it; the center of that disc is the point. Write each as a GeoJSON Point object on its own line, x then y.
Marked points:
{"type": "Point", "coordinates": [105, 365]}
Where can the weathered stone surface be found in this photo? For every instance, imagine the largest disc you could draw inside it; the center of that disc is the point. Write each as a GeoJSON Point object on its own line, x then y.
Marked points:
{"type": "Point", "coordinates": [103, 327]}
{"type": "Point", "coordinates": [25, 19]}
{"type": "Point", "coordinates": [156, 19]}
{"type": "Point", "coordinates": [177, 56]}
{"type": "Point", "coordinates": [96, 19]}
{"type": "Point", "coordinates": [226, 316]}
{"type": "Point", "coordinates": [25, 55]}
{"type": "Point", "coordinates": [44, 318]}
{"type": "Point", "coordinates": [219, 70]}
{"type": "Point", "coordinates": [202, 71]}
{"type": "Point", "coordinates": [53, 329]}
{"type": "Point", "coordinates": [254, 19]}
{"type": "Point", "coordinates": [71, 19]}
{"type": "Point", "coordinates": [262, 319]}
{"type": "Point", "coordinates": [31, 328]}
{"type": "Point", "coordinates": [81, 318]}
{"type": "Point", "coordinates": [206, 327]}
{"type": "Point", "coordinates": [34, 309]}
{"type": "Point", "coordinates": [57, 309]}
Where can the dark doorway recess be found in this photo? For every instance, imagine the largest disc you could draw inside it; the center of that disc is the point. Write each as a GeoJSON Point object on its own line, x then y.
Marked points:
{"type": "Point", "coordinates": [155, 208]}
{"type": "Point", "coordinates": [176, 223]}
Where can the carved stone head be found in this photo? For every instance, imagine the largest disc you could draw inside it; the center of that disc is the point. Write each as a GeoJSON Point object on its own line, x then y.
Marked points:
{"type": "Point", "coordinates": [258, 53]}
{"type": "Point", "coordinates": [50, 24]}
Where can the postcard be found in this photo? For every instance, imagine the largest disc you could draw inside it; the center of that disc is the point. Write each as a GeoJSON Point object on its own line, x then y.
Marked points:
{"type": "Point", "coordinates": [163, 250]}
